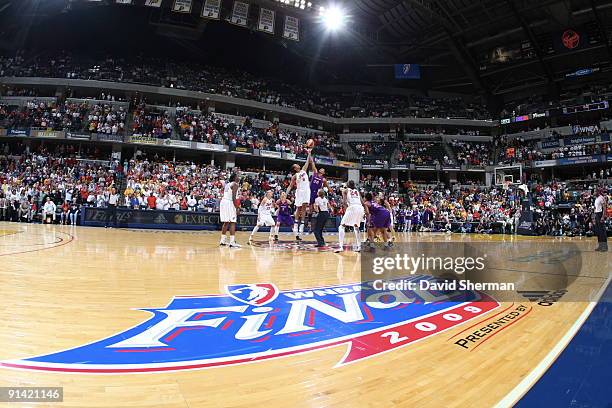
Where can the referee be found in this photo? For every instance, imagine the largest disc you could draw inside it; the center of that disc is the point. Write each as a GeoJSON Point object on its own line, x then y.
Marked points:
{"type": "Point", "coordinates": [321, 205]}
{"type": "Point", "coordinates": [113, 200]}
{"type": "Point", "coordinates": [600, 216]}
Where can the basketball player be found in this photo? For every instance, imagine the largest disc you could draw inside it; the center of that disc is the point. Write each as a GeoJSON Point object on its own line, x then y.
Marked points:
{"type": "Point", "coordinates": [264, 216]}
{"type": "Point", "coordinates": [317, 182]}
{"type": "Point", "coordinates": [284, 214]}
{"type": "Point", "coordinates": [379, 221]}
{"type": "Point", "coordinates": [389, 208]}
{"type": "Point", "coordinates": [229, 211]}
{"type": "Point", "coordinates": [302, 195]}
{"type": "Point", "coordinates": [600, 216]}
{"type": "Point", "coordinates": [352, 216]}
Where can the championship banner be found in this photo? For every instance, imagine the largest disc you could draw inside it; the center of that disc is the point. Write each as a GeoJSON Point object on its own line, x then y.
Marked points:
{"type": "Point", "coordinates": [292, 28]}
{"type": "Point", "coordinates": [407, 71]}
{"type": "Point", "coordinates": [240, 13]}
{"type": "Point", "coordinates": [153, 3]}
{"type": "Point", "coordinates": [124, 1]}
{"type": "Point", "coordinates": [266, 21]}
{"type": "Point", "coordinates": [211, 9]}
{"type": "Point", "coordinates": [182, 6]}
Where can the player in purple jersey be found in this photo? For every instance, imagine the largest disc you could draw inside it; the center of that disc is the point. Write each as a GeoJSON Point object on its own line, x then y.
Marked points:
{"type": "Point", "coordinates": [317, 182]}
{"type": "Point", "coordinates": [284, 214]}
{"type": "Point", "coordinates": [378, 221]}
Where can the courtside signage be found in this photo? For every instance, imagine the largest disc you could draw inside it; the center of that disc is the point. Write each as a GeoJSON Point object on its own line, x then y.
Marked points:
{"type": "Point", "coordinates": [254, 322]}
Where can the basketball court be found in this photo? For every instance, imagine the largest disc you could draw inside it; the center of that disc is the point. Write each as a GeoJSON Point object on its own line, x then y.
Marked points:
{"type": "Point", "coordinates": [67, 287]}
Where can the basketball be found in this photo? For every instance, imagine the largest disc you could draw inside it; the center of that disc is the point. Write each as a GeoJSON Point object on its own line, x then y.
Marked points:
{"type": "Point", "coordinates": [310, 144]}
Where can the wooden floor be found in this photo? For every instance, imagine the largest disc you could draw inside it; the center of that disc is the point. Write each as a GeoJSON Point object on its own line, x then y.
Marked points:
{"type": "Point", "coordinates": [62, 287]}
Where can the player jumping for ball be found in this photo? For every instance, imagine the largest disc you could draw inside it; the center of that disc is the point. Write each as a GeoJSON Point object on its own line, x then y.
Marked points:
{"type": "Point", "coordinates": [317, 182]}
{"type": "Point", "coordinates": [264, 216]}
{"type": "Point", "coordinates": [302, 195]}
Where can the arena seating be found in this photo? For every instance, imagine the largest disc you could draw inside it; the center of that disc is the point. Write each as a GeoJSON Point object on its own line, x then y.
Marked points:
{"type": "Point", "coordinates": [193, 76]}
{"type": "Point", "coordinates": [28, 178]}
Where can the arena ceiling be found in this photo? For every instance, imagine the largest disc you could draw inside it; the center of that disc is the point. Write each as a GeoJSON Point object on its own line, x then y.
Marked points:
{"type": "Point", "coordinates": [486, 47]}
{"type": "Point", "coordinates": [494, 46]}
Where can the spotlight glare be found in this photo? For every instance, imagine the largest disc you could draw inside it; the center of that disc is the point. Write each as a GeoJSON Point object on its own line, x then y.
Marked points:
{"type": "Point", "coordinates": [333, 18]}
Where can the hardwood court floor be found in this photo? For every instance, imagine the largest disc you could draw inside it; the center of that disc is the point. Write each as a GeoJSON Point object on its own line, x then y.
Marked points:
{"type": "Point", "coordinates": [62, 287]}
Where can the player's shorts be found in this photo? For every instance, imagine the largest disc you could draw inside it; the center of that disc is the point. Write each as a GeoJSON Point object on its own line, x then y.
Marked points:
{"type": "Point", "coordinates": [284, 219]}
{"type": "Point", "coordinates": [381, 220]}
{"type": "Point", "coordinates": [228, 211]}
{"type": "Point", "coordinates": [302, 197]}
{"type": "Point", "coordinates": [353, 215]}
{"type": "Point", "coordinates": [313, 196]}
{"type": "Point", "coordinates": [391, 220]}
{"type": "Point", "coordinates": [265, 220]}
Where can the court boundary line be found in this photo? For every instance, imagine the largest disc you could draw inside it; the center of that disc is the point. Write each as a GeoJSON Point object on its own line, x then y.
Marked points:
{"type": "Point", "coordinates": [519, 391]}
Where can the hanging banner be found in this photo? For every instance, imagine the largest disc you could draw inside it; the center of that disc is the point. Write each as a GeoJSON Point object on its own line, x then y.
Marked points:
{"type": "Point", "coordinates": [153, 3]}
{"type": "Point", "coordinates": [240, 13]}
{"type": "Point", "coordinates": [292, 28]}
{"type": "Point", "coordinates": [182, 6]}
{"type": "Point", "coordinates": [211, 9]}
{"type": "Point", "coordinates": [266, 21]}
{"type": "Point", "coordinates": [124, 1]}
{"type": "Point", "coordinates": [407, 71]}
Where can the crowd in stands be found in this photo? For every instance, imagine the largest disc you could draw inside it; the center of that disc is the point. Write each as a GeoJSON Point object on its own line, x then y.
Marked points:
{"type": "Point", "coordinates": [421, 153]}
{"type": "Point", "coordinates": [103, 118]}
{"type": "Point", "coordinates": [151, 123]}
{"type": "Point", "coordinates": [239, 84]}
{"type": "Point", "coordinates": [38, 182]}
{"type": "Point", "coordinates": [49, 115]}
{"type": "Point", "coordinates": [472, 153]}
{"type": "Point", "coordinates": [35, 182]}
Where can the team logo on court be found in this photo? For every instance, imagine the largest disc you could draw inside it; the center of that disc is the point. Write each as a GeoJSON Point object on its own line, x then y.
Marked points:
{"type": "Point", "coordinates": [255, 322]}
{"type": "Point", "coordinates": [255, 294]}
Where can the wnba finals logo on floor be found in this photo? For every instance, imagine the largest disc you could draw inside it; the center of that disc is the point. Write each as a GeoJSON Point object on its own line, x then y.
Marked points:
{"type": "Point", "coordinates": [256, 322]}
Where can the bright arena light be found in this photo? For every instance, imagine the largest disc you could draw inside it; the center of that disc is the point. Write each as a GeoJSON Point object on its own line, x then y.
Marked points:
{"type": "Point", "coordinates": [333, 18]}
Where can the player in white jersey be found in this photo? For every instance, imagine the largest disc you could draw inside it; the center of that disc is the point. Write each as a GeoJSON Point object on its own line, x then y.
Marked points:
{"type": "Point", "coordinates": [301, 182]}
{"type": "Point", "coordinates": [229, 211]}
{"type": "Point", "coordinates": [352, 216]}
{"type": "Point", "coordinates": [264, 216]}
